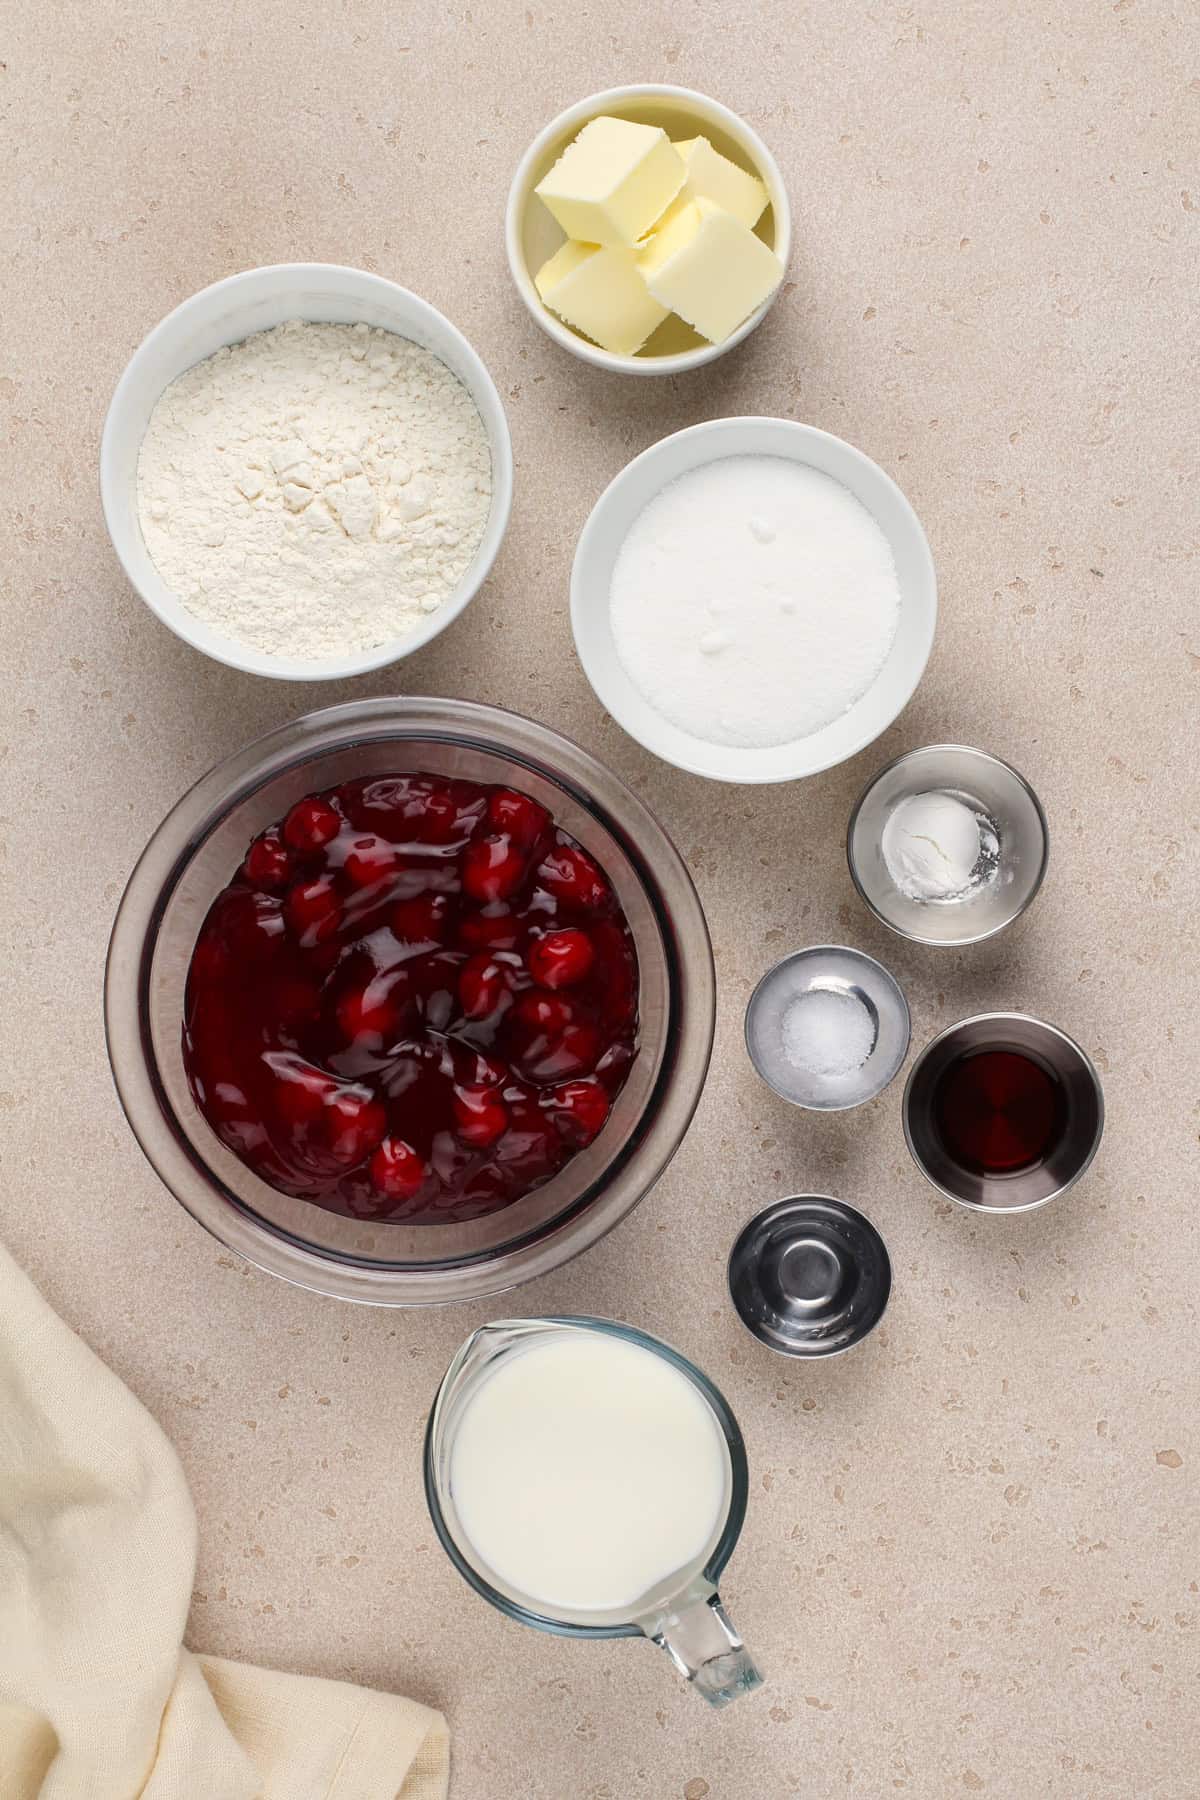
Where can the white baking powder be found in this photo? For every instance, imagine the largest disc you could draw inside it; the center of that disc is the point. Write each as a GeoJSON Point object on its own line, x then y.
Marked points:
{"type": "Point", "coordinates": [754, 601]}
{"type": "Point", "coordinates": [936, 847]}
{"type": "Point", "coordinates": [315, 490]}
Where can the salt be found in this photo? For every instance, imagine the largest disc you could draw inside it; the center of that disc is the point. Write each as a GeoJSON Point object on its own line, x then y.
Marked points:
{"type": "Point", "coordinates": [800, 578]}
{"type": "Point", "coordinates": [827, 1031]}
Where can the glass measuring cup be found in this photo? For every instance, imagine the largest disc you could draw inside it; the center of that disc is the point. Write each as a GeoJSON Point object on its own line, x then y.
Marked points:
{"type": "Point", "coordinates": [682, 1612]}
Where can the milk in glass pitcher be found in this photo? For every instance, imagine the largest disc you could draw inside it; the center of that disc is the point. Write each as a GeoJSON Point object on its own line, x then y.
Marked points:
{"type": "Point", "coordinates": [587, 1480]}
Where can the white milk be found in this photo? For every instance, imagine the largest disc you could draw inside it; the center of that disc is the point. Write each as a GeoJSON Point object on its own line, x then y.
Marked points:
{"type": "Point", "coordinates": [585, 1470]}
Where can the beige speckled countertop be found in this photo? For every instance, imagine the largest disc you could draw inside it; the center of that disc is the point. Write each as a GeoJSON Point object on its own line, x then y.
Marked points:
{"type": "Point", "coordinates": [971, 1563]}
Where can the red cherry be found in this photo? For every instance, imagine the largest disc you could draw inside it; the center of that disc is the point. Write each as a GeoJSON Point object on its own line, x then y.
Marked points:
{"type": "Point", "coordinates": [433, 983]}
{"type": "Point", "coordinates": [581, 1046]}
{"type": "Point", "coordinates": [300, 1090]}
{"type": "Point", "coordinates": [371, 1010]}
{"type": "Point", "coordinates": [249, 921]}
{"type": "Point", "coordinates": [541, 1012]}
{"type": "Point", "coordinates": [369, 859]}
{"type": "Point", "coordinates": [410, 808]}
{"type": "Point", "coordinates": [560, 958]}
{"type": "Point", "coordinates": [235, 1117]}
{"type": "Point", "coordinates": [486, 1191]}
{"type": "Point", "coordinates": [397, 1171]}
{"type": "Point", "coordinates": [616, 965]}
{"type": "Point", "coordinates": [311, 824]}
{"type": "Point", "coordinates": [421, 921]}
{"type": "Point", "coordinates": [353, 1125]}
{"type": "Point", "coordinates": [267, 862]}
{"type": "Point", "coordinates": [492, 869]}
{"type": "Point", "coordinates": [478, 1116]}
{"type": "Point", "coordinates": [244, 1135]}
{"type": "Point", "coordinates": [496, 928]}
{"type": "Point", "coordinates": [475, 1068]}
{"type": "Point", "coordinates": [209, 960]}
{"type": "Point", "coordinates": [409, 1066]}
{"type": "Point", "coordinates": [230, 1098]}
{"type": "Point", "coordinates": [296, 1000]}
{"type": "Point", "coordinates": [378, 804]}
{"type": "Point", "coordinates": [579, 1109]}
{"type": "Point", "coordinates": [312, 910]}
{"type": "Point", "coordinates": [450, 1160]}
{"type": "Point", "coordinates": [434, 815]}
{"type": "Point", "coordinates": [570, 874]}
{"type": "Point", "coordinates": [516, 814]}
{"type": "Point", "coordinates": [481, 985]}
{"type": "Point", "coordinates": [532, 1147]}
{"type": "Point", "coordinates": [574, 1052]}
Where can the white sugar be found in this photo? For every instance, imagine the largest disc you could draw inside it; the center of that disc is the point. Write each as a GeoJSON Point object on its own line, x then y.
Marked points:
{"type": "Point", "coordinates": [754, 601]}
{"type": "Point", "coordinates": [827, 1032]}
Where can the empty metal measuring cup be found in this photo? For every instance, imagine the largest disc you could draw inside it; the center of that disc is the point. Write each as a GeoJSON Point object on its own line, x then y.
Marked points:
{"type": "Point", "coordinates": [810, 1276]}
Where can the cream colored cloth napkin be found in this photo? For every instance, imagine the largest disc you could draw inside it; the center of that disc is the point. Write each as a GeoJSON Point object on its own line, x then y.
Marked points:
{"type": "Point", "coordinates": [98, 1698]}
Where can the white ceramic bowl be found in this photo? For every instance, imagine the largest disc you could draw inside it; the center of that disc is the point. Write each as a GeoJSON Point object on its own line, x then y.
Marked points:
{"type": "Point", "coordinates": [532, 235]}
{"type": "Point", "coordinates": [608, 525]}
{"type": "Point", "coordinates": [225, 313]}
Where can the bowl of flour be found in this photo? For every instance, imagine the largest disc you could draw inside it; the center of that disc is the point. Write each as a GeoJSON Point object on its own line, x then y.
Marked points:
{"type": "Point", "coordinates": [306, 471]}
{"type": "Point", "coordinates": [753, 600]}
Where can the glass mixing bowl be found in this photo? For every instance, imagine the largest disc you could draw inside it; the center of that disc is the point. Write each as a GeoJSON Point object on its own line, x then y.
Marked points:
{"type": "Point", "coordinates": [192, 856]}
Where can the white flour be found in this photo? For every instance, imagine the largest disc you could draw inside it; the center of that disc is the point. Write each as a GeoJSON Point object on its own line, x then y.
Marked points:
{"type": "Point", "coordinates": [315, 490]}
{"type": "Point", "coordinates": [754, 601]}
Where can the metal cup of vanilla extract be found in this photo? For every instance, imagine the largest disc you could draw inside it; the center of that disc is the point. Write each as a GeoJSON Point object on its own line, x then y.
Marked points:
{"type": "Point", "coordinates": [1003, 1112]}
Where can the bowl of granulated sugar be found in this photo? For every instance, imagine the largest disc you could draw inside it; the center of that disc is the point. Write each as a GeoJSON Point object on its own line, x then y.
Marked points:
{"type": "Point", "coordinates": [306, 471]}
{"type": "Point", "coordinates": [753, 600]}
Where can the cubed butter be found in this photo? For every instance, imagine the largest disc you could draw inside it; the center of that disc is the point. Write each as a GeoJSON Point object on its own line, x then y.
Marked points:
{"type": "Point", "coordinates": [711, 176]}
{"type": "Point", "coordinates": [600, 292]}
{"type": "Point", "coordinates": [708, 267]}
{"type": "Point", "coordinates": [613, 182]}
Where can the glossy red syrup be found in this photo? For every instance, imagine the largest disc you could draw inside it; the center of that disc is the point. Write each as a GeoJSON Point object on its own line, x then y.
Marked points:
{"type": "Point", "coordinates": [998, 1111]}
{"type": "Point", "coordinates": [417, 999]}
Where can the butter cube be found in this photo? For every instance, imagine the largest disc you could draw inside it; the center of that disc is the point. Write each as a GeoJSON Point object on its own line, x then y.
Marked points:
{"type": "Point", "coordinates": [708, 267]}
{"type": "Point", "coordinates": [613, 182]}
{"type": "Point", "coordinates": [600, 293]}
{"type": "Point", "coordinates": [711, 176]}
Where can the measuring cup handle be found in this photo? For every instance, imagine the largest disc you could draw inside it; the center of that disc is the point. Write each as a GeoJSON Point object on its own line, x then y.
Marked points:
{"type": "Point", "coordinates": [699, 1637]}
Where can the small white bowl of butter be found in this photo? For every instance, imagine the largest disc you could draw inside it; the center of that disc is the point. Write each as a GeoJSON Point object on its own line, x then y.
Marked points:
{"type": "Point", "coordinates": [701, 217]}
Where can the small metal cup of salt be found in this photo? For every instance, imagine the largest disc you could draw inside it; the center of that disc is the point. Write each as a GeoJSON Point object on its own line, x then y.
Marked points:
{"type": "Point", "coordinates": [828, 1027]}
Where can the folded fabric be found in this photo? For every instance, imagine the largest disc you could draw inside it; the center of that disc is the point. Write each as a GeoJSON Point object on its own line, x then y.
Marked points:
{"type": "Point", "coordinates": [99, 1700]}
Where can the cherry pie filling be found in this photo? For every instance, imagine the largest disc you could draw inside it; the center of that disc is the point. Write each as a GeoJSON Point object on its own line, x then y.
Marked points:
{"type": "Point", "coordinates": [417, 999]}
